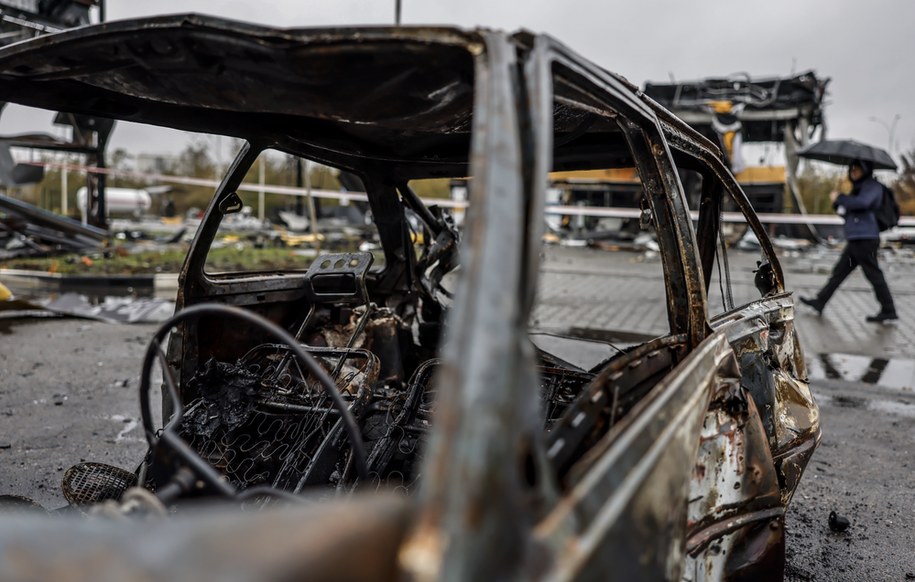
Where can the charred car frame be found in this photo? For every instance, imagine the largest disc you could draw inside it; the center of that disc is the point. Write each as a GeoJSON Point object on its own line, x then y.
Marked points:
{"type": "Point", "coordinates": [674, 459]}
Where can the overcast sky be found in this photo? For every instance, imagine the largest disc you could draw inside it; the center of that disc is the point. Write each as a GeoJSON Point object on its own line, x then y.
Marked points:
{"type": "Point", "coordinates": [866, 48]}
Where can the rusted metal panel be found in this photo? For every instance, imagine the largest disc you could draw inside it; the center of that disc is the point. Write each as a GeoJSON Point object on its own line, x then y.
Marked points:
{"type": "Point", "coordinates": [772, 365]}
{"type": "Point", "coordinates": [734, 490]}
{"type": "Point", "coordinates": [760, 439]}
{"type": "Point", "coordinates": [472, 494]}
{"type": "Point", "coordinates": [626, 516]}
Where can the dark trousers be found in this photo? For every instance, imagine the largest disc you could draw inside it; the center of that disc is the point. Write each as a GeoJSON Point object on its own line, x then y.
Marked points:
{"type": "Point", "coordinates": [863, 253]}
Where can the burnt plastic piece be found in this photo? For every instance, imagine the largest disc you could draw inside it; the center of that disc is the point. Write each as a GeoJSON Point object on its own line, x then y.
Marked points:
{"type": "Point", "coordinates": [838, 523]}
{"type": "Point", "coordinates": [764, 279]}
{"type": "Point", "coordinates": [339, 277]}
{"type": "Point", "coordinates": [232, 204]}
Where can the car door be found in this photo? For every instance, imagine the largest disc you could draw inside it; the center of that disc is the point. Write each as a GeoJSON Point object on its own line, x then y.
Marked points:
{"type": "Point", "coordinates": [621, 511]}
{"type": "Point", "coordinates": [754, 450]}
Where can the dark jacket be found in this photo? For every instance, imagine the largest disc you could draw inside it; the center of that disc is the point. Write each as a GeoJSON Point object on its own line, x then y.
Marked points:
{"type": "Point", "coordinates": [860, 222]}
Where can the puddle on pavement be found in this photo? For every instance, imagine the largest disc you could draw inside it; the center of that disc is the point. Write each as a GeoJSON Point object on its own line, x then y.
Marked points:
{"type": "Point", "coordinates": [893, 407]}
{"type": "Point", "coordinates": [896, 373]}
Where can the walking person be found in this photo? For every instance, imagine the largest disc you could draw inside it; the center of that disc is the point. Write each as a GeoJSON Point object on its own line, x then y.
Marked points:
{"type": "Point", "coordinates": [863, 236]}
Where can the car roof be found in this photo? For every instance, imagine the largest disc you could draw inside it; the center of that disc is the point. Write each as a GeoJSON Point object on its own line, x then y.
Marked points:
{"type": "Point", "coordinates": [398, 98]}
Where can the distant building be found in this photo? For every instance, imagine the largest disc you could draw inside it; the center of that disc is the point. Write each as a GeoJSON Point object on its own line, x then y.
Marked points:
{"type": "Point", "coordinates": [737, 110]}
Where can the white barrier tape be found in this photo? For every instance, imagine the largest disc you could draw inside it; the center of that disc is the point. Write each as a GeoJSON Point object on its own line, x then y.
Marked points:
{"type": "Point", "coordinates": [764, 217]}
{"type": "Point", "coordinates": [601, 212]}
{"type": "Point", "coordinates": [247, 186]}
{"type": "Point", "coordinates": [605, 212]}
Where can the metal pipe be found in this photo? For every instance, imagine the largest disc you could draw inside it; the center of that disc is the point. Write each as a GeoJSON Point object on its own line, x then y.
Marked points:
{"type": "Point", "coordinates": [286, 407]}
{"type": "Point", "coordinates": [416, 205]}
{"type": "Point", "coordinates": [260, 192]}
{"type": "Point", "coordinates": [360, 327]}
{"type": "Point", "coordinates": [312, 212]}
{"type": "Point", "coordinates": [63, 190]}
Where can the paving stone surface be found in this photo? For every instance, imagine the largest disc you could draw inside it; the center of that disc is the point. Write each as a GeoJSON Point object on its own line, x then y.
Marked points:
{"type": "Point", "coordinates": [624, 291]}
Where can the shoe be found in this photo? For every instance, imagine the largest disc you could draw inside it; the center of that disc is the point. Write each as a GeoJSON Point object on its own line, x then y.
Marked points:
{"type": "Point", "coordinates": [814, 303]}
{"type": "Point", "coordinates": [882, 318]}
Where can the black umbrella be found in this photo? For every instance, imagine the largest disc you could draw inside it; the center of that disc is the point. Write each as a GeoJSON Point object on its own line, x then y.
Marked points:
{"type": "Point", "coordinates": [845, 151]}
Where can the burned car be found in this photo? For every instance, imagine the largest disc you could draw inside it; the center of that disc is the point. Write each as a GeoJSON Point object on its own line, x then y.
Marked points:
{"type": "Point", "coordinates": [413, 369]}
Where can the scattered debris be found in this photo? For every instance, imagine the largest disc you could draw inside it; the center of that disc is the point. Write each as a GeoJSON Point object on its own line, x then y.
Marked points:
{"type": "Point", "coordinates": [10, 306]}
{"type": "Point", "coordinates": [28, 230]}
{"type": "Point", "coordinates": [838, 523]}
{"type": "Point", "coordinates": [109, 309]}
{"type": "Point", "coordinates": [114, 309]}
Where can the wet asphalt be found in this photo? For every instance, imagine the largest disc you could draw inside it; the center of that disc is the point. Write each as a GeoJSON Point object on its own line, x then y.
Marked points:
{"type": "Point", "coordinates": [864, 470]}
{"type": "Point", "coordinates": [70, 394]}
{"type": "Point", "coordinates": [863, 378]}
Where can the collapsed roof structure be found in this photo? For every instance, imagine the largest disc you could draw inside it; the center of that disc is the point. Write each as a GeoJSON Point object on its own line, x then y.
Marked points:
{"type": "Point", "coordinates": [740, 109]}
{"type": "Point", "coordinates": [766, 108]}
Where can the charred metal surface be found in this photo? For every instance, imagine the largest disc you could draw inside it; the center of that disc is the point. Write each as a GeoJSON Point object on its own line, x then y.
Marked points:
{"type": "Point", "coordinates": [707, 227]}
{"type": "Point", "coordinates": [686, 296]}
{"type": "Point", "coordinates": [389, 217]}
{"type": "Point", "coordinates": [262, 421]}
{"type": "Point", "coordinates": [637, 483]}
{"type": "Point", "coordinates": [733, 490]}
{"type": "Point", "coordinates": [767, 443]}
{"type": "Point", "coordinates": [472, 492]}
{"type": "Point", "coordinates": [201, 73]}
{"type": "Point", "coordinates": [710, 160]}
{"type": "Point", "coordinates": [766, 343]}
{"type": "Point", "coordinates": [441, 257]}
{"type": "Point", "coordinates": [606, 400]}
{"type": "Point", "coordinates": [86, 484]}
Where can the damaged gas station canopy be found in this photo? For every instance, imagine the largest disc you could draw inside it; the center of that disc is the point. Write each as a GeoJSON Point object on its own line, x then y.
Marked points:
{"type": "Point", "coordinates": [765, 107]}
{"type": "Point", "coordinates": [740, 109]}
{"type": "Point", "coordinates": [412, 369]}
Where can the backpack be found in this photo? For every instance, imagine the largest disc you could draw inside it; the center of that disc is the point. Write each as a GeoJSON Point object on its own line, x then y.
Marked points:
{"type": "Point", "coordinates": [887, 213]}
